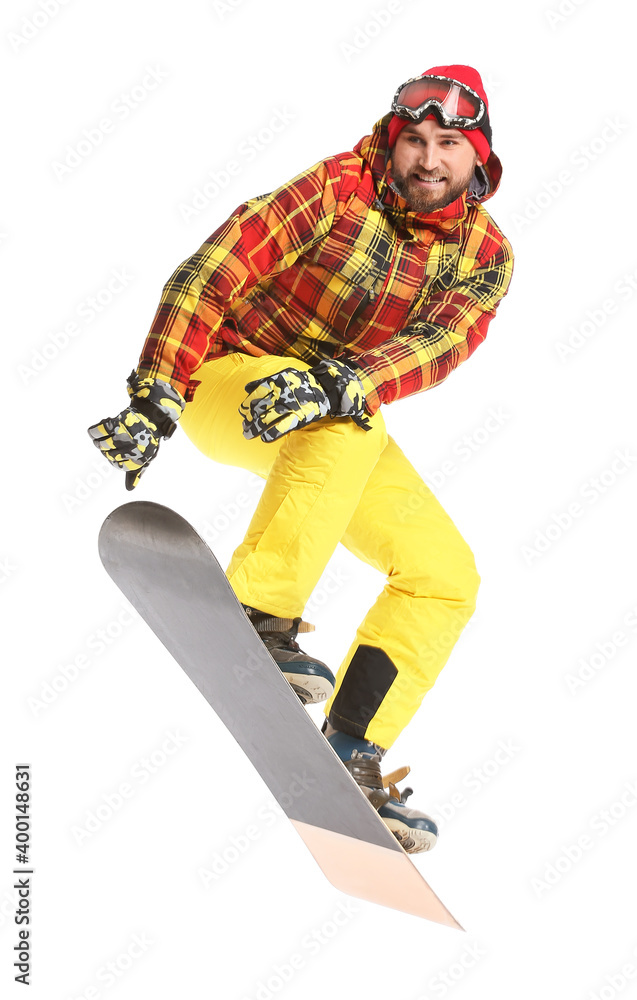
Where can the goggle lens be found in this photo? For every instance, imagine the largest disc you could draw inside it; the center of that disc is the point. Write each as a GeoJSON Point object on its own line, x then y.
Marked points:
{"type": "Point", "coordinates": [456, 101]}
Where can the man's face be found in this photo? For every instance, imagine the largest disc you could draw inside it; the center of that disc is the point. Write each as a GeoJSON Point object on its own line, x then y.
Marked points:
{"type": "Point", "coordinates": [432, 165]}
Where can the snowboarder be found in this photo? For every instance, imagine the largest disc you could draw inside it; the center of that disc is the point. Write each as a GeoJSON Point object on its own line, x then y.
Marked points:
{"type": "Point", "coordinates": [367, 278]}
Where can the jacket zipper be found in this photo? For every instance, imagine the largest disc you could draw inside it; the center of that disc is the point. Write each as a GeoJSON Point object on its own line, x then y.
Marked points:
{"type": "Point", "coordinates": [372, 296]}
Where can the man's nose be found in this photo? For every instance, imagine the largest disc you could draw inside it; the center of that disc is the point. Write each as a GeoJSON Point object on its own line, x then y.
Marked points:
{"type": "Point", "coordinates": [429, 158]}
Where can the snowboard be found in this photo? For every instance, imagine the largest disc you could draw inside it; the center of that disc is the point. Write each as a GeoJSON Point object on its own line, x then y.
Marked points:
{"type": "Point", "coordinates": [174, 581]}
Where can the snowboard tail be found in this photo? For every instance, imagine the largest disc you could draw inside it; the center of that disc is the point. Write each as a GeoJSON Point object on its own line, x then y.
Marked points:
{"type": "Point", "coordinates": [171, 577]}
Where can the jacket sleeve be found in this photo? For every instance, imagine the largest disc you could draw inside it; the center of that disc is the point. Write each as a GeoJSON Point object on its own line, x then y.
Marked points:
{"type": "Point", "coordinates": [444, 333]}
{"type": "Point", "coordinates": [262, 237]}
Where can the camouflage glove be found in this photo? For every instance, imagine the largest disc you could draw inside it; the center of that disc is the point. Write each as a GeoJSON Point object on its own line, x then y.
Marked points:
{"type": "Point", "coordinates": [290, 399]}
{"type": "Point", "coordinates": [131, 439]}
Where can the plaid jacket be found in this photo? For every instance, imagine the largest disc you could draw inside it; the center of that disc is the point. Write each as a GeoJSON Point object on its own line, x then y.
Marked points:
{"type": "Point", "coordinates": [335, 264]}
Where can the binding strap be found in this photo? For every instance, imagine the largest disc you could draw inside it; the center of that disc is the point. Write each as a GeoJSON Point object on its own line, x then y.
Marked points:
{"type": "Point", "coordinates": [389, 781]}
{"type": "Point", "coordinates": [267, 623]}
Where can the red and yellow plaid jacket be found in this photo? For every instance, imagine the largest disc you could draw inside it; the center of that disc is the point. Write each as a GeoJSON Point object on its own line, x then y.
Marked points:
{"type": "Point", "coordinates": [335, 264]}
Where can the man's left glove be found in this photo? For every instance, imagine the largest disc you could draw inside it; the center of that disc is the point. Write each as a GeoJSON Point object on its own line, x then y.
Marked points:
{"type": "Point", "coordinates": [291, 399]}
{"type": "Point", "coordinates": [131, 439]}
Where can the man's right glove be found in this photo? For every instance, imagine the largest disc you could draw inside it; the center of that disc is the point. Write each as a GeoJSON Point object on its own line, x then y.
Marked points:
{"type": "Point", "coordinates": [131, 439]}
{"type": "Point", "coordinates": [291, 399]}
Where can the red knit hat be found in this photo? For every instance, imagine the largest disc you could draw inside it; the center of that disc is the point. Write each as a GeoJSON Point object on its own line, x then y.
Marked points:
{"type": "Point", "coordinates": [471, 78]}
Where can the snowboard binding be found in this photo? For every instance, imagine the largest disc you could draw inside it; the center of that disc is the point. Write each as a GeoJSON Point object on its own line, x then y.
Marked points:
{"type": "Point", "coordinates": [310, 679]}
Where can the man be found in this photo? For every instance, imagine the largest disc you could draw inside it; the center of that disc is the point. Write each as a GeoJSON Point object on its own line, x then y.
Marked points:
{"type": "Point", "coordinates": [367, 278]}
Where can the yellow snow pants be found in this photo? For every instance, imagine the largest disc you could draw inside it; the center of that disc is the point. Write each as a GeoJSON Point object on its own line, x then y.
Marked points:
{"type": "Point", "coordinates": [335, 482]}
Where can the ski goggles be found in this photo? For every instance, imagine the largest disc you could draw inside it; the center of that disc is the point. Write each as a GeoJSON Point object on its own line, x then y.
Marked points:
{"type": "Point", "coordinates": [454, 104]}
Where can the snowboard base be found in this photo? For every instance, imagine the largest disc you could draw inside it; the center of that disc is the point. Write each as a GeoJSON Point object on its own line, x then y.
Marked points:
{"type": "Point", "coordinates": [373, 873]}
{"type": "Point", "coordinates": [171, 577]}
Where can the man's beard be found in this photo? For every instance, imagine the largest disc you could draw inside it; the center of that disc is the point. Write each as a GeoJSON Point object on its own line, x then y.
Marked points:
{"type": "Point", "coordinates": [420, 200]}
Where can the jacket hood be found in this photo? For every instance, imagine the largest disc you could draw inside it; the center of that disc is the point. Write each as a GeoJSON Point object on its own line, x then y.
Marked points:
{"type": "Point", "coordinates": [374, 148]}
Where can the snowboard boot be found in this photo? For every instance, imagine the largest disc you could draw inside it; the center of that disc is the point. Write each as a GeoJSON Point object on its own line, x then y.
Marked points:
{"type": "Point", "coordinates": [414, 830]}
{"type": "Point", "coordinates": [311, 679]}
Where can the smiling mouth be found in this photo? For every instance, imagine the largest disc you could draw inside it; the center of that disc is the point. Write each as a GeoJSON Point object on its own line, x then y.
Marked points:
{"type": "Point", "coordinates": [429, 180]}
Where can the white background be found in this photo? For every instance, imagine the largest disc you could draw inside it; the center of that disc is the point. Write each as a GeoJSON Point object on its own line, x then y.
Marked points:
{"type": "Point", "coordinates": [558, 589]}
